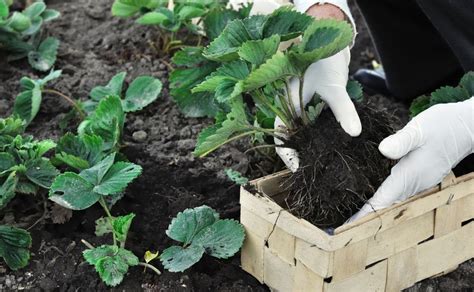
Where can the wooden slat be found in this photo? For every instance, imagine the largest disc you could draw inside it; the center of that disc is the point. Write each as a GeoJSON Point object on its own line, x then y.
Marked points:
{"type": "Point", "coordinates": [448, 181]}
{"type": "Point", "coordinates": [439, 254]}
{"type": "Point", "coordinates": [446, 220]}
{"type": "Point", "coordinates": [316, 259]}
{"type": "Point", "coordinates": [283, 244]}
{"type": "Point", "coordinates": [400, 237]}
{"type": "Point", "coordinates": [350, 260]}
{"type": "Point", "coordinates": [306, 280]}
{"type": "Point", "coordinates": [465, 208]}
{"type": "Point", "coordinates": [402, 212]}
{"type": "Point", "coordinates": [255, 223]}
{"type": "Point", "coordinates": [270, 211]}
{"type": "Point", "coordinates": [401, 270]}
{"type": "Point", "coordinates": [370, 280]}
{"type": "Point", "coordinates": [277, 274]}
{"type": "Point", "coordinates": [252, 255]}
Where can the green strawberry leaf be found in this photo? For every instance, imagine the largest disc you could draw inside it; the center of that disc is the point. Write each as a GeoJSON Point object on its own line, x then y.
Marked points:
{"type": "Point", "coordinates": [467, 82]}
{"type": "Point", "coordinates": [322, 39]}
{"type": "Point", "coordinates": [225, 46]}
{"type": "Point", "coordinates": [4, 9]}
{"type": "Point", "coordinates": [419, 104]}
{"type": "Point", "coordinates": [121, 225]}
{"type": "Point", "coordinates": [142, 92]}
{"type": "Point", "coordinates": [114, 87]}
{"type": "Point", "coordinates": [190, 12]}
{"type": "Point", "coordinates": [14, 246]}
{"type": "Point", "coordinates": [222, 239]}
{"type": "Point", "coordinates": [257, 52]}
{"type": "Point", "coordinates": [190, 222]}
{"type": "Point", "coordinates": [236, 177]}
{"type": "Point", "coordinates": [107, 122]}
{"type": "Point", "coordinates": [354, 89]}
{"type": "Point", "coordinates": [11, 126]}
{"type": "Point", "coordinates": [7, 161]}
{"type": "Point", "coordinates": [117, 178]}
{"type": "Point", "coordinates": [7, 190]}
{"type": "Point", "coordinates": [152, 18]}
{"type": "Point", "coordinates": [27, 104]}
{"type": "Point", "coordinates": [277, 67]}
{"type": "Point", "coordinates": [50, 14]}
{"type": "Point", "coordinates": [73, 192]}
{"type": "Point", "coordinates": [193, 70]}
{"type": "Point", "coordinates": [41, 172]}
{"type": "Point", "coordinates": [95, 174]}
{"type": "Point", "coordinates": [287, 23]}
{"type": "Point", "coordinates": [178, 259]}
{"type": "Point", "coordinates": [103, 226]}
{"type": "Point", "coordinates": [235, 126]}
{"type": "Point", "coordinates": [35, 9]}
{"type": "Point", "coordinates": [19, 22]}
{"type": "Point", "coordinates": [111, 262]}
{"type": "Point", "coordinates": [449, 94]}
{"type": "Point", "coordinates": [80, 152]}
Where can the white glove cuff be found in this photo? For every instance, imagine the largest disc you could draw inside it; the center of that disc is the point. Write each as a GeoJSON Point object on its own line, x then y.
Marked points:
{"type": "Point", "coordinates": [304, 5]}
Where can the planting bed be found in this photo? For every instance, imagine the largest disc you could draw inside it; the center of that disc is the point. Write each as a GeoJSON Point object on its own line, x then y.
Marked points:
{"type": "Point", "coordinates": [94, 47]}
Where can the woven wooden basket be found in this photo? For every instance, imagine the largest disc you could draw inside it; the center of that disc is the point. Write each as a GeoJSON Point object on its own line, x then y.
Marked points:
{"type": "Point", "coordinates": [425, 236]}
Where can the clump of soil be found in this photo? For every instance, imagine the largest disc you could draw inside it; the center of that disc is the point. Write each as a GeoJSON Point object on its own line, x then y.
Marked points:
{"type": "Point", "coordinates": [337, 173]}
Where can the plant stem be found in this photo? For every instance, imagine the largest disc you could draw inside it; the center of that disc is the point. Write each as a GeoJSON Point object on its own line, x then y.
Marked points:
{"type": "Point", "coordinates": [290, 102]}
{"type": "Point", "coordinates": [104, 206]}
{"type": "Point", "coordinates": [303, 113]}
{"type": "Point", "coordinates": [151, 267]}
{"type": "Point", "coordinates": [68, 99]}
{"type": "Point", "coordinates": [90, 246]}
{"type": "Point", "coordinates": [262, 99]}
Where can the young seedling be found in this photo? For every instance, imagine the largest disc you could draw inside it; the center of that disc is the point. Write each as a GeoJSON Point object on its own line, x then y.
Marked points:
{"type": "Point", "coordinates": [102, 183]}
{"type": "Point", "coordinates": [201, 231]}
{"type": "Point", "coordinates": [446, 94]}
{"type": "Point", "coordinates": [20, 35]}
{"type": "Point", "coordinates": [251, 63]}
{"type": "Point", "coordinates": [142, 91]}
{"type": "Point", "coordinates": [171, 17]}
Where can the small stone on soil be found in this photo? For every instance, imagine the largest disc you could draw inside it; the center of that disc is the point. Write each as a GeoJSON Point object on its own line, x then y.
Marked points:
{"type": "Point", "coordinates": [139, 136]}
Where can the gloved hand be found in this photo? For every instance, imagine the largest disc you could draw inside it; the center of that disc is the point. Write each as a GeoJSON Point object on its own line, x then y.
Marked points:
{"type": "Point", "coordinates": [328, 78]}
{"type": "Point", "coordinates": [428, 147]}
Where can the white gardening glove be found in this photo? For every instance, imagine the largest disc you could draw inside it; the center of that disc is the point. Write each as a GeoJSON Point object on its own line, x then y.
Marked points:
{"type": "Point", "coordinates": [428, 147]}
{"type": "Point", "coordinates": [328, 78]}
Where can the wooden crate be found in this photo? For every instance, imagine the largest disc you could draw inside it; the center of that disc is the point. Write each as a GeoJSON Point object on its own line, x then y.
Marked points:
{"type": "Point", "coordinates": [428, 235]}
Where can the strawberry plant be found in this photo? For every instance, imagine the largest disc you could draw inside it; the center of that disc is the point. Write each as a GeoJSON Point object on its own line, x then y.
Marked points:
{"type": "Point", "coordinates": [200, 231]}
{"type": "Point", "coordinates": [446, 94]}
{"type": "Point", "coordinates": [250, 62]}
{"type": "Point", "coordinates": [171, 17]}
{"type": "Point", "coordinates": [20, 35]}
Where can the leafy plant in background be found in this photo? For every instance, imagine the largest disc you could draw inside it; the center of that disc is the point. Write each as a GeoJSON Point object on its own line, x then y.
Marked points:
{"type": "Point", "coordinates": [446, 94]}
{"type": "Point", "coordinates": [14, 246]}
{"type": "Point", "coordinates": [174, 16]}
{"type": "Point", "coordinates": [250, 62]}
{"type": "Point", "coordinates": [23, 169]}
{"type": "Point", "coordinates": [20, 35]}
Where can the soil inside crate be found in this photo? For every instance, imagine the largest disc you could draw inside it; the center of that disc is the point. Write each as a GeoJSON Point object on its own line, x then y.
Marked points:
{"type": "Point", "coordinates": [338, 173]}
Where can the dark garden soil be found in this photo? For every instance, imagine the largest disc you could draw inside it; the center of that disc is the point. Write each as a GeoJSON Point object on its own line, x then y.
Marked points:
{"type": "Point", "coordinates": [94, 47]}
{"type": "Point", "coordinates": [347, 171]}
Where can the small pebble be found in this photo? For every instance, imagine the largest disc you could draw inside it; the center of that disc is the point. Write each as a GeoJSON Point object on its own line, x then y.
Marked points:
{"type": "Point", "coordinates": [162, 66]}
{"type": "Point", "coordinates": [139, 136]}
